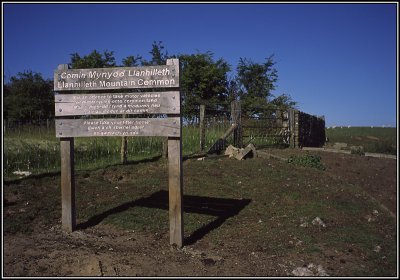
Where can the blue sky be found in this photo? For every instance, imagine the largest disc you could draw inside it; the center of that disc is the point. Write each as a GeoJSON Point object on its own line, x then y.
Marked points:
{"type": "Point", "coordinates": [336, 60]}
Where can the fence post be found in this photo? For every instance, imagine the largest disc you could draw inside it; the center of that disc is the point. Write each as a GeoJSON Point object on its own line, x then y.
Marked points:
{"type": "Point", "coordinates": [292, 128]}
{"type": "Point", "coordinates": [202, 128]}
{"type": "Point", "coordinates": [165, 147]}
{"type": "Point", "coordinates": [68, 212]}
{"type": "Point", "coordinates": [297, 129]}
{"type": "Point", "coordinates": [124, 147]}
{"type": "Point", "coordinates": [236, 118]}
{"type": "Point", "coordinates": [279, 119]}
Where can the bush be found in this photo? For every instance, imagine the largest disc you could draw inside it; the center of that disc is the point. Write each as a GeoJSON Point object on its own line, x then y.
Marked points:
{"type": "Point", "coordinates": [312, 161]}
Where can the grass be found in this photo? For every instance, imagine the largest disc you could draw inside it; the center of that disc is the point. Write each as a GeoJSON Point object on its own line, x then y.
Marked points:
{"type": "Point", "coordinates": [308, 160]}
{"type": "Point", "coordinates": [372, 139]}
{"type": "Point", "coordinates": [37, 150]}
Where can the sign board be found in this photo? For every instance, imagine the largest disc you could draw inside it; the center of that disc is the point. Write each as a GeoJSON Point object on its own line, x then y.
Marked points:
{"type": "Point", "coordinates": [165, 76]}
{"type": "Point", "coordinates": [118, 127]}
{"type": "Point", "coordinates": [117, 103]}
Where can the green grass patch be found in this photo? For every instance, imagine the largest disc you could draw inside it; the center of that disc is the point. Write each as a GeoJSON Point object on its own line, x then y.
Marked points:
{"type": "Point", "coordinates": [309, 160]}
{"type": "Point", "coordinates": [372, 139]}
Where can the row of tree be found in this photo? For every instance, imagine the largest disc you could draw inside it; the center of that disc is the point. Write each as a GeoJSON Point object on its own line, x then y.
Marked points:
{"type": "Point", "coordinates": [204, 80]}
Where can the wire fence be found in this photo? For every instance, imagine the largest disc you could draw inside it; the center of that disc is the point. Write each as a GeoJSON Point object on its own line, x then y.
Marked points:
{"type": "Point", "coordinates": [33, 147]}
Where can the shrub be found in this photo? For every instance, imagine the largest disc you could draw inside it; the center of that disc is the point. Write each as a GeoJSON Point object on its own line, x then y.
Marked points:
{"type": "Point", "coordinates": [308, 160]}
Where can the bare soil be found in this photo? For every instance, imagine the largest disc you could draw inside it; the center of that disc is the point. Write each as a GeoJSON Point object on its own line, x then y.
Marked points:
{"type": "Point", "coordinates": [377, 176]}
{"type": "Point", "coordinates": [106, 250]}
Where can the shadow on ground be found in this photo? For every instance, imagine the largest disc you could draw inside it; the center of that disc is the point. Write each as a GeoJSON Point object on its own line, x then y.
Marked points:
{"type": "Point", "coordinates": [221, 208]}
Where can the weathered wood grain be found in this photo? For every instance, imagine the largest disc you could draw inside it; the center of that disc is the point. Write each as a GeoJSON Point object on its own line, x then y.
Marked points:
{"type": "Point", "coordinates": [163, 76]}
{"type": "Point", "coordinates": [118, 127]}
{"type": "Point", "coordinates": [68, 212]}
{"type": "Point", "coordinates": [117, 103]}
{"type": "Point", "coordinates": [175, 191]}
{"type": "Point", "coordinates": [175, 182]}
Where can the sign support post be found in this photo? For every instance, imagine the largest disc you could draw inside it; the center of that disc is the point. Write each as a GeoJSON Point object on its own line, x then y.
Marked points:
{"type": "Point", "coordinates": [175, 182]}
{"type": "Point", "coordinates": [68, 213]}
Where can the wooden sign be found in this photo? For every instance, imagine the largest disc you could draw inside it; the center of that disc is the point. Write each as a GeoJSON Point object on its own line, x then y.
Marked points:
{"type": "Point", "coordinates": [163, 102]}
{"type": "Point", "coordinates": [117, 103]}
{"type": "Point", "coordinates": [118, 127]}
{"type": "Point", "coordinates": [165, 76]}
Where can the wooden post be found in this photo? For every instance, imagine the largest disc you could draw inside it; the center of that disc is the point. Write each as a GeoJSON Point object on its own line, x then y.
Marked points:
{"type": "Point", "coordinates": [279, 119]}
{"type": "Point", "coordinates": [175, 191]}
{"type": "Point", "coordinates": [297, 143]}
{"type": "Point", "coordinates": [294, 128]}
{"type": "Point", "coordinates": [202, 128]}
{"type": "Point", "coordinates": [236, 119]}
{"type": "Point", "coordinates": [68, 211]}
{"type": "Point", "coordinates": [175, 182]}
{"type": "Point", "coordinates": [165, 147]}
{"type": "Point", "coordinates": [291, 127]}
{"type": "Point", "coordinates": [124, 147]}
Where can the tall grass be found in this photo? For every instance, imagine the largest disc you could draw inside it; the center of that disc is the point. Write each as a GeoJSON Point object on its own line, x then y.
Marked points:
{"type": "Point", "coordinates": [37, 150]}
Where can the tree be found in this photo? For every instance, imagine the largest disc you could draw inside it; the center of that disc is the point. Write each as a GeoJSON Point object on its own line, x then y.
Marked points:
{"type": "Point", "coordinates": [132, 61]}
{"type": "Point", "coordinates": [254, 85]}
{"type": "Point", "coordinates": [255, 81]}
{"type": "Point", "coordinates": [158, 56]}
{"type": "Point", "coordinates": [203, 81]}
{"type": "Point", "coordinates": [28, 97]}
{"type": "Point", "coordinates": [284, 101]}
{"type": "Point", "coordinates": [93, 60]}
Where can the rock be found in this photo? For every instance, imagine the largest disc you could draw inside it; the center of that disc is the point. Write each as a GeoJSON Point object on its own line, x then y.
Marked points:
{"type": "Point", "coordinates": [302, 271]}
{"type": "Point", "coordinates": [318, 221]}
{"type": "Point", "coordinates": [22, 173]}
{"type": "Point", "coordinates": [249, 151]}
{"type": "Point", "coordinates": [239, 154]}
{"type": "Point", "coordinates": [377, 249]}
{"type": "Point", "coordinates": [310, 270]}
{"type": "Point", "coordinates": [339, 145]}
{"type": "Point", "coordinates": [231, 151]}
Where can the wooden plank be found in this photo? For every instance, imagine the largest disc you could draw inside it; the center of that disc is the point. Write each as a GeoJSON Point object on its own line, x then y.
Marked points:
{"type": "Point", "coordinates": [117, 103]}
{"type": "Point", "coordinates": [68, 212]}
{"type": "Point", "coordinates": [162, 76]}
{"type": "Point", "coordinates": [220, 144]}
{"type": "Point", "coordinates": [175, 183]}
{"type": "Point", "coordinates": [237, 119]}
{"type": "Point", "coordinates": [118, 127]}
